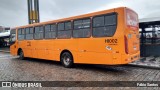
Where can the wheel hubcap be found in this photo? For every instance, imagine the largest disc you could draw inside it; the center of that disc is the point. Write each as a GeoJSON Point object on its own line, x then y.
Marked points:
{"type": "Point", "coordinates": [21, 54]}
{"type": "Point", "coordinates": [66, 60]}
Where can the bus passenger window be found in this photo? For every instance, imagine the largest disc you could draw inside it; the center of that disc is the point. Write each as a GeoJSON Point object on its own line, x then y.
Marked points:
{"type": "Point", "coordinates": [68, 26]}
{"type": "Point", "coordinates": [21, 34]}
{"type": "Point", "coordinates": [61, 26]}
{"type": "Point", "coordinates": [64, 30]}
{"type": "Point", "coordinates": [19, 31]}
{"type": "Point", "coordinates": [77, 24]}
{"type": "Point", "coordinates": [98, 21]}
{"type": "Point", "coordinates": [53, 27]}
{"type": "Point", "coordinates": [38, 32]}
{"type": "Point", "coordinates": [50, 31]}
{"type": "Point", "coordinates": [29, 33]}
{"type": "Point", "coordinates": [105, 26]}
{"type": "Point", "coordinates": [82, 28]}
{"type": "Point", "coordinates": [110, 19]}
{"type": "Point", "coordinates": [31, 30]}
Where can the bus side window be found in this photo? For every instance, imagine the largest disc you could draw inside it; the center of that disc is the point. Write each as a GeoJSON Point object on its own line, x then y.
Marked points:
{"type": "Point", "coordinates": [64, 30]}
{"type": "Point", "coordinates": [39, 32]}
{"type": "Point", "coordinates": [50, 31]}
{"type": "Point", "coordinates": [82, 28]}
{"type": "Point", "coordinates": [29, 33]}
{"type": "Point", "coordinates": [21, 34]}
{"type": "Point", "coordinates": [105, 25]}
{"type": "Point", "coordinates": [54, 30]}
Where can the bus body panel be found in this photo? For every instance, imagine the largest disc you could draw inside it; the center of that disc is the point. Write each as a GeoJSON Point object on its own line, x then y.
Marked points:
{"type": "Point", "coordinates": [13, 50]}
{"type": "Point", "coordinates": [66, 44]}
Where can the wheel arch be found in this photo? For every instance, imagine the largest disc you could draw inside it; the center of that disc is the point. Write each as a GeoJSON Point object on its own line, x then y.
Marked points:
{"type": "Point", "coordinates": [66, 50]}
{"type": "Point", "coordinates": [18, 52]}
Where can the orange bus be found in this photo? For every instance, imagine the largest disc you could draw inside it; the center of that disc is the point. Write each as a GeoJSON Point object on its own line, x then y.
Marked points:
{"type": "Point", "coordinates": [109, 37]}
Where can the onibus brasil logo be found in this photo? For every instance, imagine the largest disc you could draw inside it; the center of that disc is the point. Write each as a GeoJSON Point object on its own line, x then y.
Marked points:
{"type": "Point", "coordinates": [19, 85]}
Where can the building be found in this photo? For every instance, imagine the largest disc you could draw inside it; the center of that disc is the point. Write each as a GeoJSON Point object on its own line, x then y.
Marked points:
{"type": "Point", "coordinates": [150, 36]}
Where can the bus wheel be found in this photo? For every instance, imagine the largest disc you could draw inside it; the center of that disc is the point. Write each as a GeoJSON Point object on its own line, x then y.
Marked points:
{"type": "Point", "coordinates": [21, 55]}
{"type": "Point", "coordinates": [67, 60]}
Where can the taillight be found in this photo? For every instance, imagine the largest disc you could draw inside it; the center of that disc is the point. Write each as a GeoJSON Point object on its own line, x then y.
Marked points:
{"type": "Point", "coordinates": [126, 44]}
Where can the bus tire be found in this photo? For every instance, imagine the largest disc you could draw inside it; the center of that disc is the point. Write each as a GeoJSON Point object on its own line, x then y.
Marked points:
{"type": "Point", "coordinates": [67, 59]}
{"type": "Point", "coordinates": [21, 55]}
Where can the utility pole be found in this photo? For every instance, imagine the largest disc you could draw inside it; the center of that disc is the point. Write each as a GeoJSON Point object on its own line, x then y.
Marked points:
{"type": "Point", "coordinates": [33, 11]}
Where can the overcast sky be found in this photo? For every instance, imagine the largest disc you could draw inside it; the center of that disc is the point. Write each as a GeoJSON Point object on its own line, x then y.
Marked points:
{"type": "Point", "coordinates": [14, 12]}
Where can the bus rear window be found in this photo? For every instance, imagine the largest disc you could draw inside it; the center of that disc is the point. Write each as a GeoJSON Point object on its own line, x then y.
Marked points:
{"type": "Point", "coordinates": [105, 25]}
{"type": "Point", "coordinates": [132, 18]}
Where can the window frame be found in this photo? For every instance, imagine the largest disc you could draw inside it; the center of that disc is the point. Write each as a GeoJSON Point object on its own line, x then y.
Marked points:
{"type": "Point", "coordinates": [95, 17]}
{"type": "Point", "coordinates": [29, 32]}
{"type": "Point", "coordinates": [50, 30]}
{"type": "Point", "coordinates": [107, 14]}
{"type": "Point", "coordinates": [22, 34]}
{"type": "Point", "coordinates": [40, 26]}
{"type": "Point", "coordinates": [65, 25]}
{"type": "Point", "coordinates": [65, 29]}
{"type": "Point", "coordinates": [58, 26]}
{"type": "Point", "coordinates": [90, 18]}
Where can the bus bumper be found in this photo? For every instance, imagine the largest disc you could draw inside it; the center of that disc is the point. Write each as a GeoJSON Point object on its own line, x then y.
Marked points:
{"type": "Point", "coordinates": [126, 59]}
